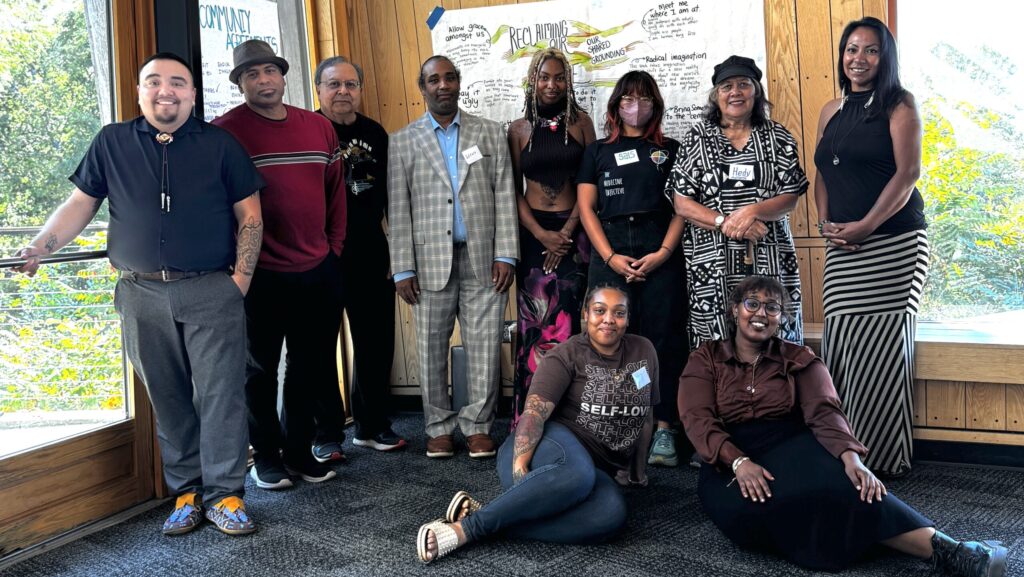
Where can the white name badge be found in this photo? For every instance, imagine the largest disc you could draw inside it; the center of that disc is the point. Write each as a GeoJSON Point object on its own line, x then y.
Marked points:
{"type": "Point", "coordinates": [741, 172]}
{"type": "Point", "coordinates": [626, 157]}
{"type": "Point", "coordinates": [641, 378]}
{"type": "Point", "coordinates": [472, 154]}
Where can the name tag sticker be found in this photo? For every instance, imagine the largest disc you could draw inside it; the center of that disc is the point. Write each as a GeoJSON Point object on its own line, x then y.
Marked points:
{"type": "Point", "coordinates": [472, 154]}
{"type": "Point", "coordinates": [626, 157]}
{"type": "Point", "coordinates": [741, 172]}
{"type": "Point", "coordinates": [641, 378]}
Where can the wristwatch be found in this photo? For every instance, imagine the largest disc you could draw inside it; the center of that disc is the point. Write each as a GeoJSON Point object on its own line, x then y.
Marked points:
{"type": "Point", "coordinates": [718, 221]}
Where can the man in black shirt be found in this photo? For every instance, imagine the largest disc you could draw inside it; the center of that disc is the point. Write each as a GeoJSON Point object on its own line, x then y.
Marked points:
{"type": "Point", "coordinates": [185, 233]}
{"type": "Point", "coordinates": [369, 292]}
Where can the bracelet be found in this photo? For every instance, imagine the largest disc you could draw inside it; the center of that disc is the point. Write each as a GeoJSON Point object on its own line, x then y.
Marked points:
{"type": "Point", "coordinates": [609, 258]}
{"type": "Point", "coordinates": [739, 461]}
{"type": "Point", "coordinates": [821, 225]}
{"type": "Point", "coordinates": [667, 248]}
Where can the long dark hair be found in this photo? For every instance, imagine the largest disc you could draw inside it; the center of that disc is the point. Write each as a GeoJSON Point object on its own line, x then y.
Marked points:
{"type": "Point", "coordinates": [639, 83]}
{"type": "Point", "coordinates": [889, 92]}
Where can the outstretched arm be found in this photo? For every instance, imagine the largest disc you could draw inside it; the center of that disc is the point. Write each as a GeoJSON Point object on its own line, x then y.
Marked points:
{"type": "Point", "coordinates": [528, 433]}
{"type": "Point", "coordinates": [62, 227]}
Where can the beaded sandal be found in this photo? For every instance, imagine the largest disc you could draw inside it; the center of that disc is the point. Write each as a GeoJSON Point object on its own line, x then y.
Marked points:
{"type": "Point", "coordinates": [446, 537]}
{"type": "Point", "coordinates": [460, 501]}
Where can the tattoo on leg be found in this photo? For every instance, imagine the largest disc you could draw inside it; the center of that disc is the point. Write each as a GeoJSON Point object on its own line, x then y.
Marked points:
{"type": "Point", "coordinates": [51, 243]}
{"type": "Point", "coordinates": [250, 236]}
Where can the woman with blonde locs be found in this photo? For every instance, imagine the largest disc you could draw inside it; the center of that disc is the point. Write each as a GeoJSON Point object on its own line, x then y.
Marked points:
{"type": "Point", "coordinates": [635, 233]}
{"type": "Point", "coordinates": [546, 146]}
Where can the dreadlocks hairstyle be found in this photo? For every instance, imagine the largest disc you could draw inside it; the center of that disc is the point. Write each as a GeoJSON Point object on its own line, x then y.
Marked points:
{"type": "Point", "coordinates": [572, 107]}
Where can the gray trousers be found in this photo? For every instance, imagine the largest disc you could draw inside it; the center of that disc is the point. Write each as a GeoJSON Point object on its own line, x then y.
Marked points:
{"type": "Point", "coordinates": [186, 339]}
{"type": "Point", "coordinates": [480, 311]}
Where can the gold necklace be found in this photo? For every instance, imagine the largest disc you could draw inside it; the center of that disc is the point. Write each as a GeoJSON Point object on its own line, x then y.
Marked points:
{"type": "Point", "coordinates": [753, 373]}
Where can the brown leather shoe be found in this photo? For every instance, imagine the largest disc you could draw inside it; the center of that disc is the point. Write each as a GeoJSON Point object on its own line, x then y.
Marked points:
{"type": "Point", "coordinates": [480, 446]}
{"type": "Point", "coordinates": [440, 446]}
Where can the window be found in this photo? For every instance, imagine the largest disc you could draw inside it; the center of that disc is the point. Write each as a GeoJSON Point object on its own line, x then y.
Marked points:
{"type": "Point", "coordinates": [61, 369]}
{"type": "Point", "coordinates": [965, 72]}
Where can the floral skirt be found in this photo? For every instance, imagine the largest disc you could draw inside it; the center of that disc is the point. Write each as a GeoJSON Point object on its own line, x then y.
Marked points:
{"type": "Point", "coordinates": [549, 303]}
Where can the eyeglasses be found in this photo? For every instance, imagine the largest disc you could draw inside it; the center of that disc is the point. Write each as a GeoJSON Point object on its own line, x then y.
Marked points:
{"type": "Point", "coordinates": [771, 308]}
{"type": "Point", "coordinates": [630, 99]}
{"type": "Point", "coordinates": [348, 84]}
{"type": "Point", "coordinates": [742, 85]}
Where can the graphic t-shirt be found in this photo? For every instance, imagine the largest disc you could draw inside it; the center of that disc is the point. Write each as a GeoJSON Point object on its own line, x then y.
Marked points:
{"type": "Point", "coordinates": [364, 148]}
{"type": "Point", "coordinates": [630, 175]}
{"type": "Point", "coordinates": [603, 400]}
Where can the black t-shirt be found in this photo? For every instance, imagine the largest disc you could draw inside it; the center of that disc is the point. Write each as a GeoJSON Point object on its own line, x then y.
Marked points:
{"type": "Point", "coordinates": [630, 175]}
{"type": "Point", "coordinates": [208, 171]}
{"type": "Point", "coordinates": [364, 146]}
{"type": "Point", "coordinates": [866, 165]}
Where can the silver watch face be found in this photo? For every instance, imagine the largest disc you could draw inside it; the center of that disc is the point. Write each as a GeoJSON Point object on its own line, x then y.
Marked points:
{"type": "Point", "coordinates": [719, 220]}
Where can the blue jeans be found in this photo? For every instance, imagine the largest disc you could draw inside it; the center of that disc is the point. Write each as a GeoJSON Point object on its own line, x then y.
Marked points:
{"type": "Point", "coordinates": [563, 499]}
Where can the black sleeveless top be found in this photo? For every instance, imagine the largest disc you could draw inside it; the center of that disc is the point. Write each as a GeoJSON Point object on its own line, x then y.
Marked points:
{"type": "Point", "coordinates": [549, 158]}
{"type": "Point", "coordinates": [866, 164]}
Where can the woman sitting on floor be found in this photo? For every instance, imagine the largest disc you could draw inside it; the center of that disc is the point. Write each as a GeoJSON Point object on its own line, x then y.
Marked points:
{"type": "Point", "coordinates": [557, 474]}
{"type": "Point", "coordinates": [782, 470]}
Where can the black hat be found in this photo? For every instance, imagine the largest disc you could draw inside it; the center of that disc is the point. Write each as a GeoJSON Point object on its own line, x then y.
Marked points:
{"type": "Point", "coordinates": [736, 66]}
{"type": "Point", "coordinates": [253, 52]}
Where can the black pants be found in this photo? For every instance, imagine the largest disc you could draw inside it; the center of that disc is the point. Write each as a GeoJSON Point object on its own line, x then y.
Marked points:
{"type": "Point", "coordinates": [369, 301]}
{"type": "Point", "coordinates": [303, 310]}
{"type": "Point", "coordinates": [657, 306]}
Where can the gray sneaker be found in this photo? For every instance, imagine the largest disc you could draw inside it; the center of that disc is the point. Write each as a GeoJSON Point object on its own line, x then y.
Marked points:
{"type": "Point", "coordinates": [663, 449]}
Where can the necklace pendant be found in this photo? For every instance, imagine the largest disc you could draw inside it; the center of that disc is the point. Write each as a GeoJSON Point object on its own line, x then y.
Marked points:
{"type": "Point", "coordinates": [553, 124]}
{"type": "Point", "coordinates": [835, 160]}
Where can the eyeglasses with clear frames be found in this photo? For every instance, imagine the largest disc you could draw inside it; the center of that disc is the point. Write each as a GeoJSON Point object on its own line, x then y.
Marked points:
{"type": "Point", "coordinates": [630, 99]}
{"type": "Point", "coordinates": [771, 308]}
{"type": "Point", "coordinates": [349, 85]}
{"type": "Point", "coordinates": [742, 85]}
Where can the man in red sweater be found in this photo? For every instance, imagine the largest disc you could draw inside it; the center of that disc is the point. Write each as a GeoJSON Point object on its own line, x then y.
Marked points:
{"type": "Point", "coordinates": [295, 295]}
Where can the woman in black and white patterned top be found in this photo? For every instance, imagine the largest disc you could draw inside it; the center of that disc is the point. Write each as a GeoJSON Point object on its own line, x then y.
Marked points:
{"type": "Point", "coordinates": [735, 180]}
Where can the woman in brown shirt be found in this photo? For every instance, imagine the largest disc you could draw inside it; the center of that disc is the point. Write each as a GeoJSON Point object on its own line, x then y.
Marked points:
{"type": "Point", "coordinates": [782, 470]}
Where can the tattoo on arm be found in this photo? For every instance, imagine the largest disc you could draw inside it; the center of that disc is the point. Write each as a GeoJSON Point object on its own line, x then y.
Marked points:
{"type": "Point", "coordinates": [51, 243]}
{"type": "Point", "coordinates": [250, 236]}
{"type": "Point", "coordinates": [531, 424]}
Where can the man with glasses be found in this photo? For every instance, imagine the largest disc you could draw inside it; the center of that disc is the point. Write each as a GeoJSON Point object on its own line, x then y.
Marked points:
{"type": "Point", "coordinates": [369, 294]}
{"type": "Point", "coordinates": [185, 230]}
{"type": "Point", "coordinates": [296, 290]}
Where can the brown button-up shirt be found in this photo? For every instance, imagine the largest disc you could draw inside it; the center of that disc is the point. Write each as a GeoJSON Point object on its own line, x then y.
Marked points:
{"type": "Point", "coordinates": [718, 389]}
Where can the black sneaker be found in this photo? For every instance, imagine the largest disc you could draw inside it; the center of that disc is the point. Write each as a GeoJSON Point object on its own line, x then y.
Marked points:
{"type": "Point", "coordinates": [270, 474]}
{"type": "Point", "coordinates": [311, 471]}
{"type": "Point", "coordinates": [385, 441]}
{"type": "Point", "coordinates": [328, 452]}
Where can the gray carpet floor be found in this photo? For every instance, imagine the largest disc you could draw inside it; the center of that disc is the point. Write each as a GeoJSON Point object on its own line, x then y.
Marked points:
{"type": "Point", "coordinates": [364, 523]}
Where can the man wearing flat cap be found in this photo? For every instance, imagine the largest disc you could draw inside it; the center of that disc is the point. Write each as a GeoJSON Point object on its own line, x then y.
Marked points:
{"type": "Point", "coordinates": [295, 294]}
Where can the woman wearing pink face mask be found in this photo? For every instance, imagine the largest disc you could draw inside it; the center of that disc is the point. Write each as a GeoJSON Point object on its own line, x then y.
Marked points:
{"type": "Point", "coordinates": [735, 182]}
{"type": "Point", "coordinates": [634, 233]}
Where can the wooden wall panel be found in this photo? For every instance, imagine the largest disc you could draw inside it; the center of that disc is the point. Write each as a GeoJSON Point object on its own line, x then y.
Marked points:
{"type": "Point", "coordinates": [920, 418]}
{"type": "Point", "coordinates": [877, 8]}
{"type": "Point", "coordinates": [365, 57]}
{"type": "Point", "coordinates": [986, 406]}
{"type": "Point", "coordinates": [946, 404]}
{"type": "Point", "coordinates": [382, 20]}
{"type": "Point", "coordinates": [1015, 408]}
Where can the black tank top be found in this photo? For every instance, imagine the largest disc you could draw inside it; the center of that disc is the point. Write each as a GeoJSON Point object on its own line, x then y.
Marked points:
{"type": "Point", "coordinates": [549, 160]}
{"type": "Point", "coordinates": [866, 164]}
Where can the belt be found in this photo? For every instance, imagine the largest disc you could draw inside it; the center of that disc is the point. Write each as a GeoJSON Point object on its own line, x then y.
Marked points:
{"type": "Point", "coordinates": [657, 217]}
{"type": "Point", "coordinates": [164, 275]}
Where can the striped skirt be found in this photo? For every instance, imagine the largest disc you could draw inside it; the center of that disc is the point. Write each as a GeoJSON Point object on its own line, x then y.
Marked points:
{"type": "Point", "coordinates": [871, 297]}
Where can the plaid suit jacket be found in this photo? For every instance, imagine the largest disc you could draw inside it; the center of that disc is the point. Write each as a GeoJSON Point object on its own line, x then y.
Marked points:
{"type": "Point", "coordinates": [421, 213]}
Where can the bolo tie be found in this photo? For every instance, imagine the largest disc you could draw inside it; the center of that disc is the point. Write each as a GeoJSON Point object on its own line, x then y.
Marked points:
{"type": "Point", "coordinates": [164, 139]}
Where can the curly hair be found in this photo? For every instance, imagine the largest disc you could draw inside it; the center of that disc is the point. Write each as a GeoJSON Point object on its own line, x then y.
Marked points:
{"type": "Point", "coordinates": [572, 107]}
{"type": "Point", "coordinates": [752, 284]}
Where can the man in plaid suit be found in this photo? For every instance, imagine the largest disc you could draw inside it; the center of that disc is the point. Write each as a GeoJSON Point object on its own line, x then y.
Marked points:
{"type": "Point", "coordinates": [454, 244]}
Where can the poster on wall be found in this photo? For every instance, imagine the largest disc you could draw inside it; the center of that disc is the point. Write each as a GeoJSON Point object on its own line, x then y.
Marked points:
{"type": "Point", "coordinates": [224, 24]}
{"type": "Point", "coordinates": [677, 41]}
